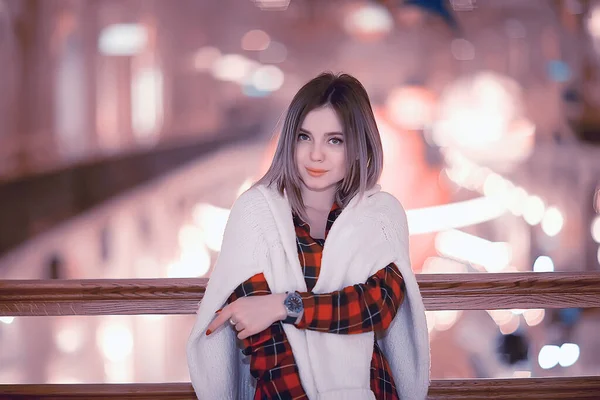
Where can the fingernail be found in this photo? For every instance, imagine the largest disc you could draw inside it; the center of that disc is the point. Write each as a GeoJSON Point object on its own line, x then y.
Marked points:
{"type": "Point", "coordinates": [218, 311]}
{"type": "Point", "coordinates": [208, 332]}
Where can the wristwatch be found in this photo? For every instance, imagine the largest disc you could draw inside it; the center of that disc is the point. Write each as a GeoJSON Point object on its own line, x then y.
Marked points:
{"type": "Point", "coordinates": [294, 308]}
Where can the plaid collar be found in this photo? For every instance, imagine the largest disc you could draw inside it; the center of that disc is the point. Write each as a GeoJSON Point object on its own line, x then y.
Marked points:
{"type": "Point", "coordinates": [334, 213]}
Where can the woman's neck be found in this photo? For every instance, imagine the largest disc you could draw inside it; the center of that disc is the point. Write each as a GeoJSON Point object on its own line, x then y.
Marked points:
{"type": "Point", "coordinates": [318, 200]}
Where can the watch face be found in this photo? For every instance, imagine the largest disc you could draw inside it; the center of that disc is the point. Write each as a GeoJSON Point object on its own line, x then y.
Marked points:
{"type": "Point", "coordinates": [294, 303]}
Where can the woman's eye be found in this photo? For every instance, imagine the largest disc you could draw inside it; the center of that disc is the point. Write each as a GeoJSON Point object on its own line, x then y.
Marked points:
{"type": "Point", "coordinates": [303, 136]}
{"type": "Point", "coordinates": [336, 141]}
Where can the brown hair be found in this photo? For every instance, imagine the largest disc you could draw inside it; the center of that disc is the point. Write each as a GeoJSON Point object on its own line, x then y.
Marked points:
{"type": "Point", "coordinates": [364, 153]}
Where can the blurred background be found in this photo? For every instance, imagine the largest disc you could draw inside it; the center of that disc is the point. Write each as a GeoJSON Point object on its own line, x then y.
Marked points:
{"type": "Point", "coordinates": [129, 127]}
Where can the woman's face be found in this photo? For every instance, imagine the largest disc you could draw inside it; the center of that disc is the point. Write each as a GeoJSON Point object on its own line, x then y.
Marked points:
{"type": "Point", "coordinates": [320, 150]}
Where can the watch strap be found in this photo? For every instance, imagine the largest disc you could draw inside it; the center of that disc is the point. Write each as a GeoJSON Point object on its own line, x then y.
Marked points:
{"type": "Point", "coordinates": [290, 320]}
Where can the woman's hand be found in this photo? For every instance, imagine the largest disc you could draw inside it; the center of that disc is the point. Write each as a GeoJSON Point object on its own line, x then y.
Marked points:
{"type": "Point", "coordinates": [251, 315]}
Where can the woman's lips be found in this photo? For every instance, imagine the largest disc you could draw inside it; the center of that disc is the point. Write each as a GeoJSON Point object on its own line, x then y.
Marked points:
{"type": "Point", "coordinates": [316, 172]}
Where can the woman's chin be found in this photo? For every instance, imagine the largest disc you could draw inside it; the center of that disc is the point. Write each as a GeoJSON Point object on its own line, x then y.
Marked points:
{"type": "Point", "coordinates": [315, 186]}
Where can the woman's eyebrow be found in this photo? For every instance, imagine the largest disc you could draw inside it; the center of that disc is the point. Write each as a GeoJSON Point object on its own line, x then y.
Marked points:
{"type": "Point", "coordinates": [327, 134]}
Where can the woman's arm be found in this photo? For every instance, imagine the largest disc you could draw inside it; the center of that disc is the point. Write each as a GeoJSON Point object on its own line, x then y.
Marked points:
{"type": "Point", "coordinates": [255, 286]}
{"type": "Point", "coordinates": [370, 306]}
{"type": "Point", "coordinates": [270, 350]}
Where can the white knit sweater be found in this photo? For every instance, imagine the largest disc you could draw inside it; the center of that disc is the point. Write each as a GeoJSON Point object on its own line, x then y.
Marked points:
{"type": "Point", "coordinates": [370, 233]}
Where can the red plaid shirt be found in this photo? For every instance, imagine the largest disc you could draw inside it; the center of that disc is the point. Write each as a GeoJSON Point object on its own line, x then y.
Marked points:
{"type": "Point", "coordinates": [361, 308]}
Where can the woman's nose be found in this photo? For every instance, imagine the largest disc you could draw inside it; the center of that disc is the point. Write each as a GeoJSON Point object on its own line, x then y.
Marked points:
{"type": "Point", "coordinates": [316, 153]}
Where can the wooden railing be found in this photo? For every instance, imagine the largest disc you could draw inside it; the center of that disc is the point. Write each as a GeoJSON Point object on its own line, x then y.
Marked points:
{"type": "Point", "coordinates": [181, 296]}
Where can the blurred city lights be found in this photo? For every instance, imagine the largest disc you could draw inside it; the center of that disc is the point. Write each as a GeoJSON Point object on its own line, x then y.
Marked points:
{"type": "Point", "coordinates": [368, 21]}
{"type": "Point", "coordinates": [256, 40]}
{"type": "Point", "coordinates": [272, 5]}
{"type": "Point", "coordinates": [233, 68]}
{"type": "Point", "coordinates": [463, 5]}
{"type": "Point", "coordinates": [534, 316]}
{"type": "Point", "coordinates": [410, 107]}
{"type": "Point", "coordinates": [503, 192]}
{"type": "Point", "coordinates": [147, 104]}
{"type": "Point", "coordinates": [455, 244]}
{"type": "Point", "coordinates": [446, 319]}
{"type": "Point", "coordinates": [462, 49]}
{"type": "Point", "coordinates": [268, 78]}
{"type": "Point", "coordinates": [533, 212]}
{"type": "Point", "coordinates": [595, 229]}
{"type": "Point", "coordinates": [191, 264]}
{"type": "Point", "coordinates": [495, 186]}
{"type": "Point", "coordinates": [274, 53]}
{"type": "Point", "coordinates": [211, 221]}
{"type": "Point", "coordinates": [194, 259]}
{"type": "Point", "coordinates": [439, 265]}
{"type": "Point", "coordinates": [552, 222]}
{"type": "Point", "coordinates": [549, 356]}
{"type": "Point", "coordinates": [70, 338]}
{"type": "Point", "coordinates": [558, 70]}
{"type": "Point", "coordinates": [501, 317]}
{"type": "Point", "coordinates": [522, 374]}
{"type": "Point", "coordinates": [452, 215]}
{"type": "Point", "coordinates": [441, 320]}
{"type": "Point", "coordinates": [518, 197]}
{"type": "Point", "coordinates": [122, 39]}
{"type": "Point", "coordinates": [543, 264]}
{"type": "Point", "coordinates": [118, 371]}
{"type": "Point", "coordinates": [189, 236]}
{"type": "Point", "coordinates": [569, 354]}
{"type": "Point", "coordinates": [481, 116]}
{"type": "Point", "coordinates": [552, 355]}
{"type": "Point", "coordinates": [205, 57]}
{"type": "Point", "coordinates": [593, 21]}
{"type": "Point", "coordinates": [476, 112]}
{"type": "Point", "coordinates": [115, 340]}
{"type": "Point", "coordinates": [510, 326]}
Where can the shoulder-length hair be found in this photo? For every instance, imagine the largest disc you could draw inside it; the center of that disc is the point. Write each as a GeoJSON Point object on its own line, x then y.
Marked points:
{"type": "Point", "coordinates": [364, 153]}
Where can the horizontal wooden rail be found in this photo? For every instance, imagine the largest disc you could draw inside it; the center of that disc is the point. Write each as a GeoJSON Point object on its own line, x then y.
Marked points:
{"type": "Point", "coordinates": [582, 388]}
{"type": "Point", "coordinates": [181, 296]}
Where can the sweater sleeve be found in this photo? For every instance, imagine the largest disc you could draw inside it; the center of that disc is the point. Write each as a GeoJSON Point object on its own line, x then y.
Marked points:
{"type": "Point", "coordinates": [370, 306]}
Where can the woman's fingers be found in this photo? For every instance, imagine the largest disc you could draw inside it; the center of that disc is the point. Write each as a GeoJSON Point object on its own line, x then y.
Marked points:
{"type": "Point", "coordinates": [223, 316]}
{"type": "Point", "coordinates": [244, 334]}
{"type": "Point", "coordinates": [239, 326]}
{"type": "Point", "coordinates": [255, 312]}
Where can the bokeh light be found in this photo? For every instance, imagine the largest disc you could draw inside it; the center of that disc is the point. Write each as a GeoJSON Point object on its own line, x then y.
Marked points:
{"type": "Point", "coordinates": [543, 264]}
{"type": "Point", "coordinates": [552, 221]}
{"type": "Point", "coordinates": [255, 40]}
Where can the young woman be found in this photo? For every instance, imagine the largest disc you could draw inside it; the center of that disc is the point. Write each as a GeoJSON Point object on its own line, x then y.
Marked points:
{"type": "Point", "coordinates": [313, 277]}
